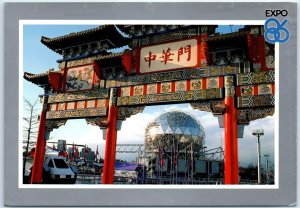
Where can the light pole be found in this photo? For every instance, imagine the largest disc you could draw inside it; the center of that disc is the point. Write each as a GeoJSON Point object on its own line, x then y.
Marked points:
{"type": "Point", "coordinates": [267, 168]}
{"type": "Point", "coordinates": [258, 133]}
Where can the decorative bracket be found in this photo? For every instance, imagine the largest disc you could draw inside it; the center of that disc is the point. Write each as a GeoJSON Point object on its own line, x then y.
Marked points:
{"type": "Point", "coordinates": [54, 124]}
{"type": "Point", "coordinates": [254, 114]}
{"type": "Point", "coordinates": [246, 115]}
{"type": "Point", "coordinates": [218, 107]}
{"type": "Point", "coordinates": [243, 117]}
{"type": "Point", "coordinates": [126, 112]}
{"type": "Point", "coordinates": [98, 121]}
{"type": "Point", "coordinates": [202, 106]}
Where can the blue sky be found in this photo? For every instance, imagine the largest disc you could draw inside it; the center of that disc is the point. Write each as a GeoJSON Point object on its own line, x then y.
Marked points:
{"type": "Point", "coordinates": [37, 58]}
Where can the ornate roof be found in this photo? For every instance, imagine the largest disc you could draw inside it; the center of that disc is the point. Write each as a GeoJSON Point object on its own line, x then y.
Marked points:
{"type": "Point", "coordinates": [109, 56]}
{"type": "Point", "coordinates": [101, 33]}
{"type": "Point", "coordinates": [228, 36]}
{"type": "Point", "coordinates": [145, 30]}
{"type": "Point", "coordinates": [38, 79]}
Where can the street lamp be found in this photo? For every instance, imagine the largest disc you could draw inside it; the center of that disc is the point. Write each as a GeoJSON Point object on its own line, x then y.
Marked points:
{"type": "Point", "coordinates": [258, 133]}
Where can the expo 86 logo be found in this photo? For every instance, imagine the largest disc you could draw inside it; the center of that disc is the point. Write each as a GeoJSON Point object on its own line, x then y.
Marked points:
{"type": "Point", "coordinates": [275, 31]}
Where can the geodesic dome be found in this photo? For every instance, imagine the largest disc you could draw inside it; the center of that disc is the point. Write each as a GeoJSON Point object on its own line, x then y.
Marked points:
{"type": "Point", "coordinates": [173, 127]}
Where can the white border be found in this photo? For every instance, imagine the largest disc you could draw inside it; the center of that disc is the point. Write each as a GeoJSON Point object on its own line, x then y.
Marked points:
{"type": "Point", "coordinates": [276, 116]}
{"type": "Point", "coordinates": [21, 104]}
{"type": "Point", "coordinates": [146, 22]}
{"type": "Point", "coordinates": [120, 22]}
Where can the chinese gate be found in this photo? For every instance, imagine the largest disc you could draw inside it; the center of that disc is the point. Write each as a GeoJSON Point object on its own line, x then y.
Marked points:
{"type": "Point", "coordinates": [230, 75]}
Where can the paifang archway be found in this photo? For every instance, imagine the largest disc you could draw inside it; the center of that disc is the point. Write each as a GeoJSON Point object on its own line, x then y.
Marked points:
{"type": "Point", "coordinates": [230, 75]}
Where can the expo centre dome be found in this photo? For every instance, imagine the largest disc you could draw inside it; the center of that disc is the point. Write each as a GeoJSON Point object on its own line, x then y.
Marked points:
{"type": "Point", "coordinates": [174, 126]}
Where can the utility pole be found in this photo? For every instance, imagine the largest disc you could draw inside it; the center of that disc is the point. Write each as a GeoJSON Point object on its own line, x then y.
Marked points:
{"type": "Point", "coordinates": [267, 168]}
{"type": "Point", "coordinates": [258, 133]}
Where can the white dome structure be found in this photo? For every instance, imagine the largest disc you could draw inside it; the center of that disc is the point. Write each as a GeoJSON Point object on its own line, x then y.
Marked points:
{"type": "Point", "coordinates": [173, 142]}
{"type": "Point", "coordinates": [174, 127]}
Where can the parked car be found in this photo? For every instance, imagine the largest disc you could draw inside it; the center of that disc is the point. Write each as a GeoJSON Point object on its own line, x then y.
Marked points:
{"type": "Point", "coordinates": [56, 170]}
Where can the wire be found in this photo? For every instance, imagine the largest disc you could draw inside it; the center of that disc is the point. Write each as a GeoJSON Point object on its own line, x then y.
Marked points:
{"type": "Point", "coordinates": [249, 129]}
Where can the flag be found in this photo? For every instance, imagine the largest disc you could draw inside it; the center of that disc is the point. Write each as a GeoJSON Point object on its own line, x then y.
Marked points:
{"type": "Point", "coordinates": [66, 154]}
{"type": "Point", "coordinates": [161, 154]}
{"type": "Point", "coordinates": [188, 159]}
{"type": "Point", "coordinates": [73, 152]}
{"type": "Point", "coordinates": [174, 154]}
{"type": "Point", "coordinates": [97, 153]}
{"type": "Point", "coordinates": [175, 157]}
{"type": "Point", "coordinates": [61, 153]}
{"type": "Point", "coordinates": [192, 158]}
{"type": "Point", "coordinates": [76, 153]}
{"type": "Point", "coordinates": [86, 154]}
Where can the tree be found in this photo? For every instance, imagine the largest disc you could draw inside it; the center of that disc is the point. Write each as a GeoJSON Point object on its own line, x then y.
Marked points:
{"type": "Point", "coordinates": [30, 127]}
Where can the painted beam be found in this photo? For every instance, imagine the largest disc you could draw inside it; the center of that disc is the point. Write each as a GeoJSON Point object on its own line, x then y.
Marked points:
{"type": "Point", "coordinates": [85, 95]}
{"type": "Point", "coordinates": [78, 113]}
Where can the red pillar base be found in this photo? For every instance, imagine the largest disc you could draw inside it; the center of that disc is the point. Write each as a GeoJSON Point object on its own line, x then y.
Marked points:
{"type": "Point", "coordinates": [111, 142]}
{"type": "Point", "coordinates": [231, 144]}
{"type": "Point", "coordinates": [38, 162]}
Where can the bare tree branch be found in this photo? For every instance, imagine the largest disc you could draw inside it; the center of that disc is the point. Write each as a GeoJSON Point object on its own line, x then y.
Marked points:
{"type": "Point", "coordinates": [30, 126]}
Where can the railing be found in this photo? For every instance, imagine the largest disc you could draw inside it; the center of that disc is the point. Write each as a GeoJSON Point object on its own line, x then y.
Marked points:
{"type": "Point", "coordinates": [96, 179]}
{"type": "Point", "coordinates": [88, 179]}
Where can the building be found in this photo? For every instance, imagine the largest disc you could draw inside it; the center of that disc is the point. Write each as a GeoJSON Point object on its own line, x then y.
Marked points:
{"type": "Point", "coordinates": [87, 154]}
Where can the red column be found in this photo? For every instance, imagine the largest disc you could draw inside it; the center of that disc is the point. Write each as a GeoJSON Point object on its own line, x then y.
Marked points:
{"type": "Point", "coordinates": [230, 129]}
{"type": "Point", "coordinates": [111, 140]}
{"type": "Point", "coordinates": [38, 162]}
{"type": "Point", "coordinates": [235, 146]}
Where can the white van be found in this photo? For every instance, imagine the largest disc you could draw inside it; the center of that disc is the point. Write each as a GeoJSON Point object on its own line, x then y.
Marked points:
{"type": "Point", "coordinates": [56, 170]}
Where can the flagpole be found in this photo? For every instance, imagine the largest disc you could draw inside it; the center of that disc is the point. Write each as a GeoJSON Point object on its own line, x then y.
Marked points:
{"type": "Point", "coordinates": [192, 162]}
{"type": "Point", "coordinates": [176, 179]}
{"type": "Point", "coordinates": [171, 169]}
{"type": "Point", "coordinates": [185, 162]}
{"type": "Point", "coordinates": [158, 161]}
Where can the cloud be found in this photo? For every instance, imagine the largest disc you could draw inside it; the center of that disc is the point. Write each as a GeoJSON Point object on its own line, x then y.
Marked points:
{"type": "Point", "coordinates": [133, 128]}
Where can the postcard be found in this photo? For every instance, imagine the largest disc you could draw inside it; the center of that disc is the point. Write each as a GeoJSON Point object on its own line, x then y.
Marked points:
{"type": "Point", "coordinates": [120, 105]}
